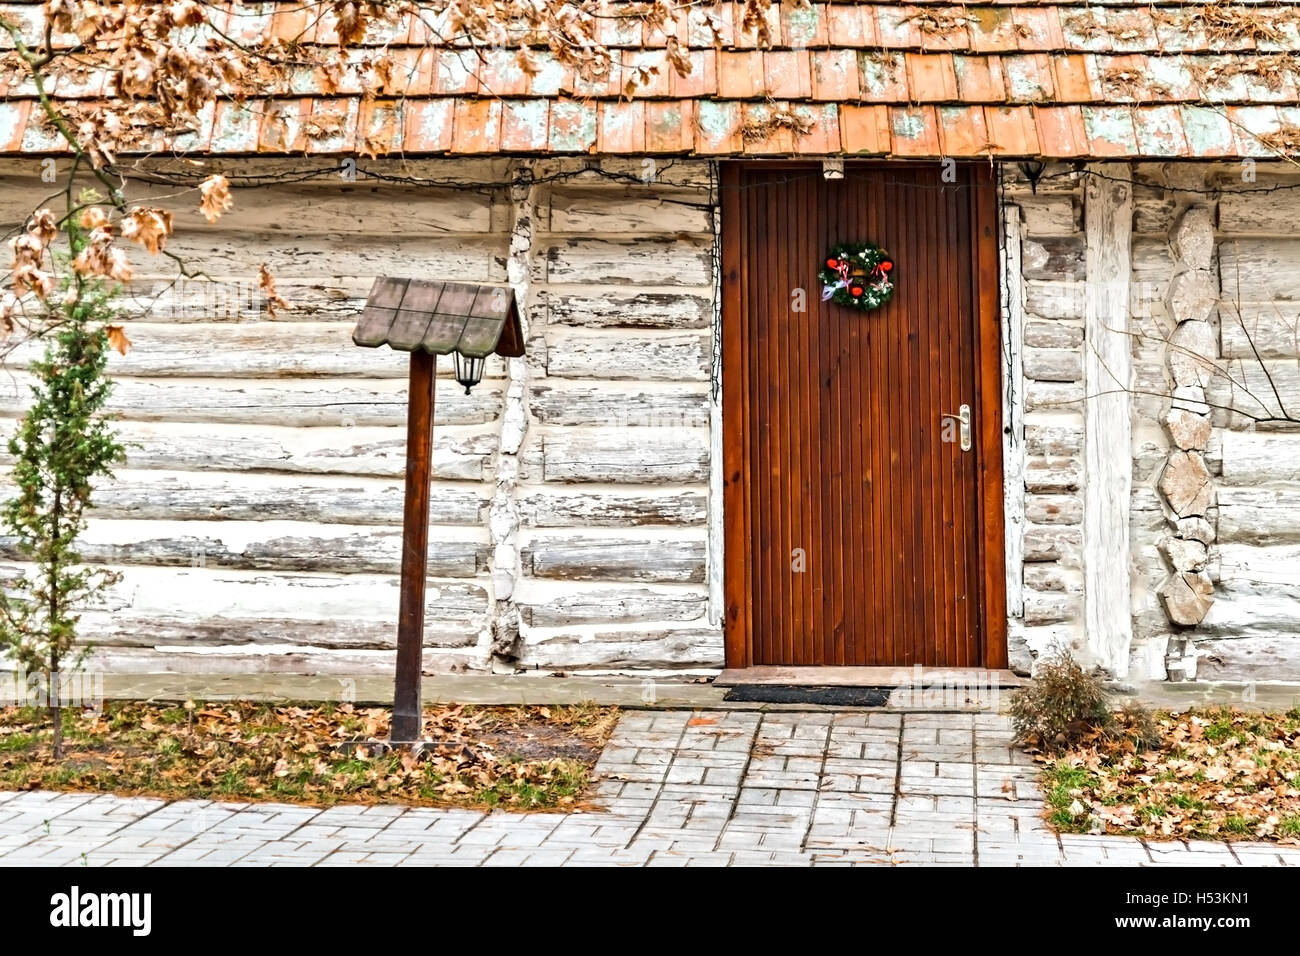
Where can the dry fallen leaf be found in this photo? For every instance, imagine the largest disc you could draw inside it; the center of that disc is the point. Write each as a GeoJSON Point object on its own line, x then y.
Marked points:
{"type": "Point", "coordinates": [117, 338]}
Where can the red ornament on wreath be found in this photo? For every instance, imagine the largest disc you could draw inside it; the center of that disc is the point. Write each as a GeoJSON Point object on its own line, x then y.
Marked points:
{"type": "Point", "coordinates": [857, 274]}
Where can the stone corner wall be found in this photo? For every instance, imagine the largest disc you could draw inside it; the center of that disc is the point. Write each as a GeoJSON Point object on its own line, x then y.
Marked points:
{"type": "Point", "coordinates": [1216, 545]}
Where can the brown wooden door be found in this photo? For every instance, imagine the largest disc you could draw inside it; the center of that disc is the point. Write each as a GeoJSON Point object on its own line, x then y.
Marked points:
{"type": "Point", "coordinates": [833, 422]}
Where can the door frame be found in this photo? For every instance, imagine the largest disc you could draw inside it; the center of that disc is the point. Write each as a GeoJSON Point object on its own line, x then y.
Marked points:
{"type": "Point", "coordinates": [991, 544]}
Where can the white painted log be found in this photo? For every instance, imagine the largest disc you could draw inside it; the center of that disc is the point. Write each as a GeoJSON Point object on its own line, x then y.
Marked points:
{"type": "Point", "coordinates": [1260, 270]}
{"type": "Point", "coordinates": [271, 546]}
{"type": "Point", "coordinates": [1272, 657]}
{"type": "Point", "coordinates": [642, 455]}
{"type": "Point", "coordinates": [246, 350]}
{"type": "Point", "coordinates": [1013, 409]}
{"type": "Point", "coordinates": [378, 452]}
{"type": "Point", "coordinates": [1269, 329]}
{"type": "Point", "coordinates": [632, 649]}
{"type": "Point", "coordinates": [1108, 465]}
{"type": "Point", "coordinates": [1054, 300]}
{"type": "Point", "coordinates": [1051, 607]}
{"type": "Point", "coordinates": [152, 606]}
{"type": "Point", "coordinates": [610, 211]}
{"type": "Point", "coordinates": [466, 258]}
{"type": "Point", "coordinates": [682, 261]}
{"type": "Point", "coordinates": [1053, 395]}
{"type": "Point", "coordinates": [655, 560]}
{"type": "Point", "coordinates": [1048, 475]}
{"type": "Point", "coordinates": [627, 306]}
{"type": "Point", "coordinates": [1050, 214]}
{"type": "Point", "coordinates": [1252, 458]}
{"type": "Point", "coordinates": [211, 663]}
{"type": "Point", "coordinates": [1060, 437]}
{"type": "Point", "coordinates": [1054, 509]}
{"type": "Point", "coordinates": [640, 356]}
{"type": "Point", "coordinates": [323, 499]}
{"type": "Point", "coordinates": [1053, 365]}
{"type": "Point", "coordinates": [1259, 514]}
{"type": "Point", "coordinates": [1053, 543]}
{"type": "Point", "coordinates": [291, 210]}
{"type": "Point", "coordinates": [596, 604]}
{"type": "Point", "coordinates": [1253, 215]}
{"type": "Point", "coordinates": [1053, 335]}
{"type": "Point", "coordinates": [556, 507]}
{"type": "Point", "coordinates": [621, 405]}
{"type": "Point", "coordinates": [1055, 259]}
{"type": "Point", "coordinates": [289, 402]}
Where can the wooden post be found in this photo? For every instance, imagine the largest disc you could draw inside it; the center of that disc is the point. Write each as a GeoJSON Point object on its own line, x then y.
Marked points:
{"type": "Point", "coordinates": [415, 547]}
{"type": "Point", "coordinates": [1107, 441]}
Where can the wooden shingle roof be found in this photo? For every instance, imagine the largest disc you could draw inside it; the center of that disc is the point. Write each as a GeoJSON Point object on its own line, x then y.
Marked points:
{"type": "Point", "coordinates": [1016, 78]}
{"type": "Point", "coordinates": [441, 317]}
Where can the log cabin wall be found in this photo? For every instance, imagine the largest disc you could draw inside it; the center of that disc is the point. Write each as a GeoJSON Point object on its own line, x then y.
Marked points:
{"type": "Point", "coordinates": [257, 522]}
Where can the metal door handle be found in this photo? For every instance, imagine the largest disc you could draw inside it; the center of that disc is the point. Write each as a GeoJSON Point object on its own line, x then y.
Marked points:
{"type": "Point", "coordinates": [963, 431]}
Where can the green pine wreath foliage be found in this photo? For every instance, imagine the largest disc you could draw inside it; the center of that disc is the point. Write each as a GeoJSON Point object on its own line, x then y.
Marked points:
{"type": "Point", "coordinates": [857, 274]}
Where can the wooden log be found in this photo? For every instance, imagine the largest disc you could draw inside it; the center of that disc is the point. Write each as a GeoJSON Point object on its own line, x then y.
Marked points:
{"type": "Point", "coordinates": [1259, 515]}
{"type": "Point", "coordinates": [1270, 328]}
{"type": "Point", "coordinates": [685, 261]}
{"type": "Point", "coordinates": [637, 405]}
{"type": "Point", "coordinates": [1012, 320]}
{"type": "Point", "coordinates": [1260, 269]}
{"type": "Point", "coordinates": [1054, 300]}
{"type": "Point", "coordinates": [1253, 458]}
{"type": "Point", "coordinates": [334, 209]}
{"type": "Point", "coordinates": [1263, 390]}
{"type": "Point", "coordinates": [1060, 437]}
{"type": "Point", "coordinates": [1053, 365]}
{"type": "Point", "coordinates": [1270, 657]}
{"type": "Point", "coordinates": [464, 258]}
{"type": "Point", "coordinates": [1112, 258]}
{"type": "Point", "coordinates": [627, 306]}
{"type": "Point", "coordinates": [245, 350]}
{"type": "Point", "coordinates": [652, 560]}
{"type": "Point", "coordinates": [372, 451]}
{"type": "Point", "coordinates": [1053, 335]}
{"type": "Point", "coordinates": [631, 649]}
{"type": "Point", "coordinates": [212, 663]}
{"type": "Point", "coordinates": [1054, 509]}
{"type": "Point", "coordinates": [153, 605]}
{"type": "Point", "coordinates": [1051, 607]}
{"type": "Point", "coordinates": [1053, 542]}
{"type": "Point", "coordinates": [643, 455]}
{"type": "Point", "coordinates": [322, 499]}
{"type": "Point", "coordinates": [1253, 215]}
{"type": "Point", "coordinates": [1049, 475]}
{"type": "Point", "coordinates": [554, 507]}
{"type": "Point", "coordinates": [594, 604]}
{"type": "Point", "coordinates": [610, 211]}
{"type": "Point", "coordinates": [289, 402]}
{"type": "Point", "coordinates": [1054, 259]}
{"type": "Point", "coordinates": [641, 357]}
{"type": "Point", "coordinates": [270, 546]}
{"type": "Point", "coordinates": [1055, 214]}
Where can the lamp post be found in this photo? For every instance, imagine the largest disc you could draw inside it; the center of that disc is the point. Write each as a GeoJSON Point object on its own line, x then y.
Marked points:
{"type": "Point", "coordinates": [428, 319]}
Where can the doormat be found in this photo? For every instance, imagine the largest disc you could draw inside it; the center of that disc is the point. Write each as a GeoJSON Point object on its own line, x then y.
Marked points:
{"type": "Point", "coordinates": [791, 694]}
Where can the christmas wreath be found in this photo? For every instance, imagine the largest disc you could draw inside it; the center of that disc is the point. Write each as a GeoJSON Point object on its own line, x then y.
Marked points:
{"type": "Point", "coordinates": [857, 274]}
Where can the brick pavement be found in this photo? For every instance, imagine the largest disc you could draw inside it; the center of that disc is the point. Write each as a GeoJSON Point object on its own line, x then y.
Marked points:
{"type": "Point", "coordinates": [709, 788]}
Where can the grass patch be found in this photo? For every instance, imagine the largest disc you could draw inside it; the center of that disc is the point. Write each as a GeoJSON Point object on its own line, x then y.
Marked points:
{"type": "Point", "coordinates": [1213, 773]}
{"type": "Point", "coordinates": [521, 758]}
